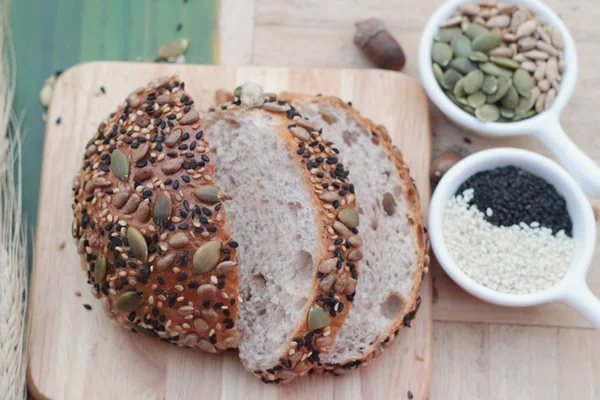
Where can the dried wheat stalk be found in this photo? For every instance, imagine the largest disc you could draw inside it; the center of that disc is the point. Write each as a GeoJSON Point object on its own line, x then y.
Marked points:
{"type": "Point", "coordinates": [13, 247]}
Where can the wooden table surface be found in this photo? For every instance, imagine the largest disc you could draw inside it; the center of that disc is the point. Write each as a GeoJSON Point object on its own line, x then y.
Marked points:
{"type": "Point", "coordinates": [539, 353]}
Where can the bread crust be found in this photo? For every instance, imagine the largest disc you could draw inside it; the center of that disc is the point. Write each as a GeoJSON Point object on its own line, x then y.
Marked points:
{"type": "Point", "coordinates": [381, 137]}
{"type": "Point", "coordinates": [138, 223]}
{"type": "Point", "coordinates": [336, 271]}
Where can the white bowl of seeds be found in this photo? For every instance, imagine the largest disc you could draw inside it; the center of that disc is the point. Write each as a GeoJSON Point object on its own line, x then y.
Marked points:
{"type": "Point", "coordinates": [505, 68]}
{"type": "Point", "coordinates": [512, 228]}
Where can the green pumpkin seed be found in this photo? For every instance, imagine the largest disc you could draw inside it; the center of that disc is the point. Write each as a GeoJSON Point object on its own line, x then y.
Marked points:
{"type": "Point", "coordinates": [75, 228]}
{"type": "Point", "coordinates": [523, 82]}
{"type": "Point", "coordinates": [119, 164]}
{"type": "Point", "coordinates": [100, 269]}
{"type": "Point", "coordinates": [349, 217]}
{"type": "Point", "coordinates": [95, 137]}
{"type": "Point", "coordinates": [477, 100]}
{"type": "Point", "coordinates": [487, 41]}
{"type": "Point", "coordinates": [511, 99]}
{"type": "Point", "coordinates": [317, 318]}
{"type": "Point", "coordinates": [206, 257]}
{"type": "Point", "coordinates": [490, 85]}
{"type": "Point", "coordinates": [468, 109]}
{"type": "Point", "coordinates": [487, 113]}
{"type": "Point", "coordinates": [143, 331]}
{"type": "Point", "coordinates": [474, 81]}
{"type": "Point", "coordinates": [506, 113]}
{"type": "Point", "coordinates": [209, 194]}
{"type": "Point", "coordinates": [451, 76]}
{"type": "Point", "coordinates": [505, 62]}
{"type": "Point", "coordinates": [173, 48]}
{"type": "Point", "coordinates": [495, 70]}
{"type": "Point", "coordinates": [504, 84]}
{"type": "Point", "coordinates": [161, 210]}
{"type": "Point", "coordinates": [529, 114]}
{"type": "Point", "coordinates": [461, 46]}
{"type": "Point", "coordinates": [462, 101]}
{"type": "Point", "coordinates": [128, 301]}
{"type": "Point", "coordinates": [473, 30]}
{"type": "Point", "coordinates": [463, 65]}
{"type": "Point", "coordinates": [478, 56]}
{"type": "Point", "coordinates": [459, 88]}
{"type": "Point", "coordinates": [446, 34]}
{"type": "Point", "coordinates": [137, 243]}
{"type": "Point", "coordinates": [438, 72]}
{"type": "Point", "coordinates": [525, 104]}
{"type": "Point", "coordinates": [441, 53]}
{"type": "Point", "coordinates": [237, 92]}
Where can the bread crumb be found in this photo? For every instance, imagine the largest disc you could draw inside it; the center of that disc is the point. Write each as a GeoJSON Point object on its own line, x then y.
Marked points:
{"type": "Point", "coordinates": [78, 293]}
{"type": "Point", "coordinates": [61, 245]}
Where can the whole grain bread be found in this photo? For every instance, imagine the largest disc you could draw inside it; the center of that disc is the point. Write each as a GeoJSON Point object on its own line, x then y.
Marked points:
{"type": "Point", "coordinates": [395, 243]}
{"type": "Point", "coordinates": [294, 212]}
{"type": "Point", "coordinates": [150, 223]}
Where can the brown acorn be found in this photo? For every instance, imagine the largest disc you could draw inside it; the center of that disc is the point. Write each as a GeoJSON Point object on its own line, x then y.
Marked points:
{"type": "Point", "coordinates": [379, 45]}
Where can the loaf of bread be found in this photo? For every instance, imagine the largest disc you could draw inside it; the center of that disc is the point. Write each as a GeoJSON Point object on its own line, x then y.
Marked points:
{"type": "Point", "coordinates": [151, 226]}
{"type": "Point", "coordinates": [294, 211]}
{"type": "Point", "coordinates": [395, 244]}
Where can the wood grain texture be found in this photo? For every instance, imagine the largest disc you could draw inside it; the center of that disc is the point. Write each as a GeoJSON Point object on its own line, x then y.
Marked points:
{"type": "Point", "coordinates": [103, 361]}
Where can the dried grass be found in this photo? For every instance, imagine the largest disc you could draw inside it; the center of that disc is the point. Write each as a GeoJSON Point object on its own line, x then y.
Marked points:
{"type": "Point", "coordinates": [13, 246]}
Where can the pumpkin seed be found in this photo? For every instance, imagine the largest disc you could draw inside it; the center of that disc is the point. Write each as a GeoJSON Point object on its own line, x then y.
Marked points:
{"type": "Point", "coordinates": [474, 81]}
{"type": "Point", "coordinates": [137, 243]}
{"type": "Point", "coordinates": [486, 41]}
{"type": "Point", "coordinates": [237, 92]}
{"type": "Point", "coordinates": [473, 30]}
{"type": "Point", "coordinates": [173, 48]}
{"type": "Point", "coordinates": [526, 104]}
{"type": "Point", "coordinates": [161, 210]}
{"type": "Point", "coordinates": [438, 72]}
{"type": "Point", "coordinates": [478, 56]}
{"type": "Point", "coordinates": [504, 84]}
{"type": "Point", "coordinates": [119, 164]}
{"type": "Point", "coordinates": [490, 85]}
{"type": "Point", "coordinates": [506, 113]}
{"type": "Point", "coordinates": [317, 318]}
{"type": "Point", "coordinates": [100, 269]}
{"type": "Point", "coordinates": [505, 62]}
{"type": "Point", "coordinates": [495, 70]}
{"type": "Point", "coordinates": [477, 100]}
{"type": "Point", "coordinates": [348, 217]}
{"type": "Point", "coordinates": [451, 76]}
{"type": "Point", "coordinates": [75, 228]}
{"type": "Point", "coordinates": [519, 117]}
{"type": "Point", "coordinates": [209, 194]}
{"type": "Point", "coordinates": [206, 257]}
{"type": "Point", "coordinates": [143, 331]}
{"type": "Point", "coordinates": [463, 65]}
{"type": "Point", "coordinates": [129, 301]}
{"type": "Point", "coordinates": [93, 139]}
{"type": "Point", "coordinates": [461, 46]}
{"type": "Point", "coordinates": [459, 88]}
{"type": "Point", "coordinates": [441, 53]}
{"type": "Point", "coordinates": [446, 34]}
{"type": "Point", "coordinates": [487, 113]}
{"type": "Point", "coordinates": [467, 108]}
{"type": "Point", "coordinates": [511, 99]}
{"type": "Point", "coordinates": [523, 82]}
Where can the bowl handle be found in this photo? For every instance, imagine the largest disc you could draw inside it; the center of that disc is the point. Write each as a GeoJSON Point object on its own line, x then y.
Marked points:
{"type": "Point", "coordinates": [582, 299]}
{"type": "Point", "coordinates": [581, 167]}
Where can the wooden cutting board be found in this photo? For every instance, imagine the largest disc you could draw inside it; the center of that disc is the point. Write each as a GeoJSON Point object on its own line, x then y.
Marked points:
{"type": "Point", "coordinates": [79, 354]}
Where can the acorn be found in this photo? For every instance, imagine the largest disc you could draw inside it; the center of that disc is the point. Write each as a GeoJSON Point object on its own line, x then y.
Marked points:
{"type": "Point", "coordinates": [442, 164]}
{"type": "Point", "coordinates": [379, 45]}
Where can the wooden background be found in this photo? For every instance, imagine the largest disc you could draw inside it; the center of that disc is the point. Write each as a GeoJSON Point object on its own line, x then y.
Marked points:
{"type": "Point", "coordinates": [484, 352]}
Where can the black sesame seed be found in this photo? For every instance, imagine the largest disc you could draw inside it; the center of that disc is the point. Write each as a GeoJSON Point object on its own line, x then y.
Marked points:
{"type": "Point", "coordinates": [87, 307]}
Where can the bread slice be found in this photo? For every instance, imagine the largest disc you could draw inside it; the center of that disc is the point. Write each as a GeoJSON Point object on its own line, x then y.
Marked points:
{"type": "Point", "coordinates": [150, 224]}
{"type": "Point", "coordinates": [395, 242]}
{"type": "Point", "coordinates": [294, 213]}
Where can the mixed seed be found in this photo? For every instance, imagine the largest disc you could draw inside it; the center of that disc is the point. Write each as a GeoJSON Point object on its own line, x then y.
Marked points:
{"type": "Point", "coordinates": [150, 225]}
{"type": "Point", "coordinates": [498, 61]}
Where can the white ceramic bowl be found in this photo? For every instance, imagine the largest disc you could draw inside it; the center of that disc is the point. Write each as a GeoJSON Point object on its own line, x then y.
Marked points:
{"type": "Point", "coordinates": [572, 289]}
{"type": "Point", "coordinates": [545, 126]}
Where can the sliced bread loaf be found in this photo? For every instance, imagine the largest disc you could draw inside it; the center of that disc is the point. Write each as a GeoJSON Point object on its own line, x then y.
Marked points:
{"type": "Point", "coordinates": [394, 237]}
{"type": "Point", "coordinates": [294, 213]}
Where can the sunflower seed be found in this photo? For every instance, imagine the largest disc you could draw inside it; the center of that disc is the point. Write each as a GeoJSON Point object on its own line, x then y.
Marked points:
{"type": "Point", "coordinates": [349, 217]}
{"type": "Point", "coordinates": [547, 48]}
{"type": "Point", "coordinates": [519, 58]}
{"type": "Point", "coordinates": [324, 341]}
{"type": "Point", "coordinates": [163, 99]}
{"type": "Point", "coordinates": [143, 174]}
{"type": "Point", "coordinates": [143, 331]}
{"type": "Point", "coordinates": [493, 69]}
{"type": "Point", "coordinates": [461, 46]}
{"type": "Point", "coordinates": [477, 100]}
{"type": "Point", "coordinates": [206, 257]}
{"type": "Point", "coordinates": [527, 28]}
{"type": "Point", "coordinates": [552, 69]}
{"type": "Point", "coordinates": [355, 255]}
{"type": "Point", "coordinates": [128, 301]}
{"type": "Point", "coordinates": [539, 103]}
{"type": "Point", "coordinates": [518, 19]}
{"type": "Point", "coordinates": [100, 269]}
{"type": "Point", "coordinates": [501, 52]}
{"type": "Point", "coordinates": [274, 107]}
{"type": "Point", "coordinates": [441, 53]}
{"type": "Point", "coordinates": [143, 211]}
{"type": "Point", "coordinates": [509, 37]}
{"type": "Point", "coordinates": [137, 243]}
{"type": "Point", "coordinates": [536, 55]}
{"type": "Point", "coordinates": [209, 194]}
{"type": "Point", "coordinates": [473, 81]}
{"type": "Point", "coordinates": [317, 318]}
{"type": "Point", "coordinates": [454, 21]}
{"type": "Point", "coordinates": [300, 133]}
{"type": "Point", "coordinates": [96, 183]}
{"type": "Point", "coordinates": [132, 204]}
{"type": "Point", "coordinates": [490, 85]}
{"type": "Point", "coordinates": [75, 228]}
{"type": "Point", "coordinates": [327, 282]}
{"type": "Point", "coordinates": [190, 117]}
{"type": "Point", "coordinates": [526, 43]}
{"type": "Point", "coordinates": [523, 82]}
{"type": "Point", "coordinates": [161, 210]}
{"type": "Point", "coordinates": [225, 267]}
{"type": "Point", "coordinates": [140, 152]}
{"type": "Point", "coordinates": [544, 85]}
{"type": "Point", "coordinates": [165, 262]}
{"type": "Point", "coordinates": [541, 32]}
{"type": "Point", "coordinates": [354, 241]}
{"type": "Point", "coordinates": [550, 97]}
{"type": "Point", "coordinates": [119, 165]}
{"type": "Point", "coordinates": [557, 39]}
{"type": "Point", "coordinates": [173, 138]}
{"type": "Point", "coordinates": [451, 76]}
{"type": "Point", "coordinates": [463, 65]}
{"type": "Point", "coordinates": [478, 56]}
{"type": "Point", "coordinates": [511, 100]}
{"type": "Point", "coordinates": [505, 62]}
{"type": "Point", "coordinates": [498, 21]}
{"type": "Point", "coordinates": [487, 42]}
{"type": "Point", "coordinates": [171, 166]}
{"type": "Point", "coordinates": [528, 66]}
{"type": "Point", "coordinates": [437, 71]}
{"type": "Point", "coordinates": [469, 9]}
{"type": "Point", "coordinates": [487, 113]}
{"type": "Point", "coordinates": [179, 240]}
{"type": "Point", "coordinates": [341, 228]}
{"type": "Point", "coordinates": [200, 325]}
{"type": "Point", "coordinates": [119, 199]}
{"type": "Point", "coordinates": [328, 265]}
{"type": "Point", "coordinates": [173, 48]}
{"type": "Point", "coordinates": [329, 197]}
